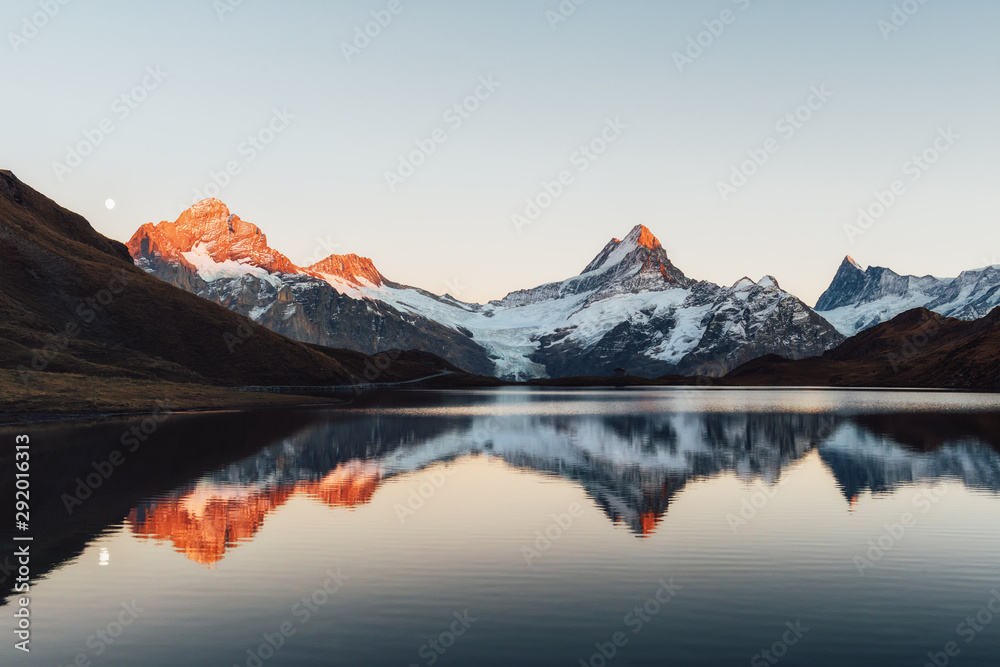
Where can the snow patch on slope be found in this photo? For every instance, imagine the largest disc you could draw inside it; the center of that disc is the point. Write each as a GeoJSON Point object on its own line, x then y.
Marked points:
{"type": "Point", "coordinates": [210, 271]}
{"type": "Point", "coordinates": [850, 320]}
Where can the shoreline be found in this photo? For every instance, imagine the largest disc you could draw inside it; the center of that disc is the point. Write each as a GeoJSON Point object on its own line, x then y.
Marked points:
{"type": "Point", "coordinates": [296, 401]}
{"type": "Point", "coordinates": [8, 420]}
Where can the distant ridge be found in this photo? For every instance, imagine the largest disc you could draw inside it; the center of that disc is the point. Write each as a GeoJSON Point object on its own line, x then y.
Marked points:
{"type": "Point", "coordinates": [630, 308]}
{"type": "Point", "coordinates": [918, 348]}
{"type": "Point", "coordinates": [861, 298]}
{"type": "Point", "coordinates": [74, 302]}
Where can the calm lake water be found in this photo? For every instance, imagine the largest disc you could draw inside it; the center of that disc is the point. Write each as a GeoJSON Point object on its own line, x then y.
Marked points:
{"type": "Point", "coordinates": [517, 527]}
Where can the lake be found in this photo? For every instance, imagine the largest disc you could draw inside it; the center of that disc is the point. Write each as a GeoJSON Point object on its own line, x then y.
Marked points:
{"type": "Point", "coordinates": [522, 527]}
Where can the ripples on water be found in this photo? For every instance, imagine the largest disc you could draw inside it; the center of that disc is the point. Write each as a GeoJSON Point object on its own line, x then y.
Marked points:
{"type": "Point", "coordinates": [865, 521]}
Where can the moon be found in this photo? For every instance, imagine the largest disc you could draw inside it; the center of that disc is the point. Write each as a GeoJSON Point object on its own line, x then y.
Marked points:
{"type": "Point", "coordinates": [110, 204]}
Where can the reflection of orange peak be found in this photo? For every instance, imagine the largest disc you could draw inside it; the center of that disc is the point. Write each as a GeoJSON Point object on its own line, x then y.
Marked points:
{"type": "Point", "coordinates": [203, 527]}
{"type": "Point", "coordinates": [350, 485]}
{"type": "Point", "coordinates": [649, 521]}
{"type": "Point", "coordinates": [203, 530]}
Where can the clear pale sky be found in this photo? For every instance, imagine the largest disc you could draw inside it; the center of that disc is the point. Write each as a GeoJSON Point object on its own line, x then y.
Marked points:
{"type": "Point", "coordinates": [320, 186]}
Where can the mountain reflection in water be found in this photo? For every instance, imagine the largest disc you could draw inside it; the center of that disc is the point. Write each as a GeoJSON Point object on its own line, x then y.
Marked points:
{"type": "Point", "coordinates": [631, 466]}
{"type": "Point", "coordinates": [766, 506]}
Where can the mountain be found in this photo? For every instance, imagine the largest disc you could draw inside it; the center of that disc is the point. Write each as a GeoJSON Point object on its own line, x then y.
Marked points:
{"type": "Point", "coordinates": [861, 298]}
{"type": "Point", "coordinates": [632, 467]}
{"type": "Point", "coordinates": [212, 253]}
{"type": "Point", "coordinates": [75, 304]}
{"type": "Point", "coordinates": [630, 307]}
{"type": "Point", "coordinates": [919, 348]}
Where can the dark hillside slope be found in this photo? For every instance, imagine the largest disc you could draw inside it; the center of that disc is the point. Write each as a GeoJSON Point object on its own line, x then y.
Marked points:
{"type": "Point", "coordinates": [918, 349]}
{"type": "Point", "coordinates": [71, 301]}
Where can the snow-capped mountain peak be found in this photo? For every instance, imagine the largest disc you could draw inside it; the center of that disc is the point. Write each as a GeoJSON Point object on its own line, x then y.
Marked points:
{"type": "Point", "coordinates": [216, 243]}
{"type": "Point", "coordinates": [859, 299]}
{"type": "Point", "coordinates": [618, 250]}
{"type": "Point", "coordinates": [351, 268]}
{"type": "Point", "coordinates": [641, 236]}
{"type": "Point", "coordinates": [847, 283]}
{"type": "Point", "coordinates": [639, 260]}
{"type": "Point", "coordinates": [208, 233]}
{"type": "Point", "coordinates": [630, 308]}
{"type": "Point", "coordinates": [746, 284]}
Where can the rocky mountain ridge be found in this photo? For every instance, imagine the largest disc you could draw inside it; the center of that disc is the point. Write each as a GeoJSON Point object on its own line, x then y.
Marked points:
{"type": "Point", "coordinates": [631, 307]}
{"type": "Point", "coordinates": [859, 299]}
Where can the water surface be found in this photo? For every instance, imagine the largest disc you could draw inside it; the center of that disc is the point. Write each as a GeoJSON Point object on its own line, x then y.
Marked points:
{"type": "Point", "coordinates": [517, 527]}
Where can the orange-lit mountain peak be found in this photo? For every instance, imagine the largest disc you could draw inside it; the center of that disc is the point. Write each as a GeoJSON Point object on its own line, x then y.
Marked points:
{"type": "Point", "coordinates": [351, 268]}
{"type": "Point", "coordinates": [641, 237]}
{"type": "Point", "coordinates": [209, 233]}
{"type": "Point", "coordinates": [206, 209]}
{"type": "Point", "coordinates": [850, 260]}
{"type": "Point", "coordinates": [645, 238]}
{"type": "Point", "coordinates": [212, 230]}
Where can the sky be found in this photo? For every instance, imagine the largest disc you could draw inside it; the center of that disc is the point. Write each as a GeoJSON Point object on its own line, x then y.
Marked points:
{"type": "Point", "coordinates": [745, 134]}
